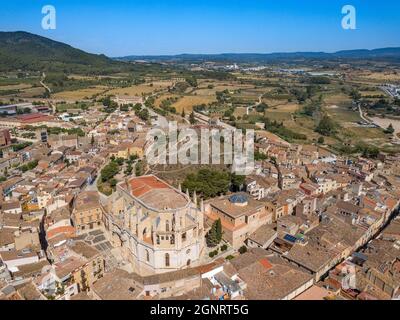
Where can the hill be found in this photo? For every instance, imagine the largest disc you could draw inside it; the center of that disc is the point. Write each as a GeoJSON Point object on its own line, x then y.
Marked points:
{"type": "Point", "coordinates": [389, 54]}
{"type": "Point", "coordinates": [26, 51]}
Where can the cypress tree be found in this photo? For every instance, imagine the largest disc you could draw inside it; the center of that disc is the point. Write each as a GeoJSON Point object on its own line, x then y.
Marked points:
{"type": "Point", "coordinates": [218, 230]}
{"type": "Point", "coordinates": [214, 236]}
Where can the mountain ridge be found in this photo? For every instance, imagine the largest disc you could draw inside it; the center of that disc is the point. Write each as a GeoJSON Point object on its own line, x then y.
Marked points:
{"type": "Point", "coordinates": [24, 50]}
{"type": "Point", "coordinates": [28, 51]}
{"type": "Point", "coordinates": [379, 53]}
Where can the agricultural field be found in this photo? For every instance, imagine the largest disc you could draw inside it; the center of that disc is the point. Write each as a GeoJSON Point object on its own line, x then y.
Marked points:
{"type": "Point", "coordinates": [188, 102]}
{"type": "Point", "coordinates": [162, 97]}
{"type": "Point", "coordinates": [19, 86]}
{"type": "Point", "coordinates": [138, 90]}
{"type": "Point", "coordinates": [80, 94]}
{"type": "Point", "coordinates": [337, 98]}
{"type": "Point", "coordinates": [387, 76]}
{"type": "Point", "coordinates": [33, 92]}
{"type": "Point", "coordinates": [342, 114]}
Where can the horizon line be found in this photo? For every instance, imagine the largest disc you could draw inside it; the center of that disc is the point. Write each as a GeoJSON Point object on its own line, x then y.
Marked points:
{"type": "Point", "coordinates": [205, 54]}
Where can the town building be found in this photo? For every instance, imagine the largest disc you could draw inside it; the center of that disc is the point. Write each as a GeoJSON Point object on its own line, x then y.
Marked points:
{"type": "Point", "coordinates": [87, 211]}
{"type": "Point", "coordinates": [158, 227]}
{"type": "Point", "coordinates": [240, 216]}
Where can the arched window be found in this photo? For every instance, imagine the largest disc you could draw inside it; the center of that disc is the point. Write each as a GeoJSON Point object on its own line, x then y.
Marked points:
{"type": "Point", "coordinates": [167, 226]}
{"type": "Point", "coordinates": [147, 256]}
{"type": "Point", "coordinates": [167, 259]}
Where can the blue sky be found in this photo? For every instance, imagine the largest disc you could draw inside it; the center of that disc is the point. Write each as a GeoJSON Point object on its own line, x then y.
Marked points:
{"type": "Point", "coordinates": [124, 27]}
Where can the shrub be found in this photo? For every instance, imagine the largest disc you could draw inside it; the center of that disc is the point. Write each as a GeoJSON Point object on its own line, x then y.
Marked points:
{"type": "Point", "coordinates": [213, 253]}
{"type": "Point", "coordinates": [242, 249]}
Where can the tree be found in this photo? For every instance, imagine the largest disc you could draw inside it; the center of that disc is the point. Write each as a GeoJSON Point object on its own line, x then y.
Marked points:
{"type": "Point", "coordinates": [311, 108]}
{"type": "Point", "coordinates": [113, 182]}
{"type": "Point", "coordinates": [129, 169]}
{"type": "Point", "coordinates": [321, 140]}
{"type": "Point", "coordinates": [143, 114]}
{"type": "Point", "coordinates": [124, 108]}
{"type": "Point", "coordinates": [242, 249]}
{"type": "Point", "coordinates": [237, 182]}
{"type": "Point", "coordinates": [355, 94]}
{"type": "Point", "coordinates": [208, 183]}
{"type": "Point", "coordinates": [137, 107]}
{"type": "Point", "coordinates": [120, 161]}
{"type": "Point", "coordinates": [258, 156]}
{"type": "Point", "coordinates": [218, 229]}
{"type": "Point", "coordinates": [92, 140]}
{"type": "Point", "coordinates": [214, 235]}
{"type": "Point", "coordinates": [261, 107]}
{"type": "Point", "coordinates": [368, 151]}
{"type": "Point", "coordinates": [192, 81]}
{"type": "Point", "coordinates": [183, 113]}
{"type": "Point", "coordinates": [389, 129]}
{"type": "Point", "coordinates": [326, 127]}
{"type": "Point", "coordinates": [109, 171]}
{"type": "Point", "coordinates": [133, 157]}
{"type": "Point", "coordinates": [192, 119]}
{"type": "Point", "coordinates": [139, 169]}
{"type": "Point", "coordinates": [300, 95]}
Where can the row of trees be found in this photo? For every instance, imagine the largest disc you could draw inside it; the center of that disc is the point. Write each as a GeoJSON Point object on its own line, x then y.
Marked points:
{"type": "Point", "coordinates": [29, 166]}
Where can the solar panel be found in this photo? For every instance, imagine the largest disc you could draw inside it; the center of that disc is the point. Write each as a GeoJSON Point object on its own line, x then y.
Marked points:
{"type": "Point", "coordinates": [289, 238]}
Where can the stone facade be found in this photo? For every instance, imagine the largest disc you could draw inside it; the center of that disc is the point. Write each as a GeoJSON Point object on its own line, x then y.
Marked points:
{"type": "Point", "coordinates": [158, 227]}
